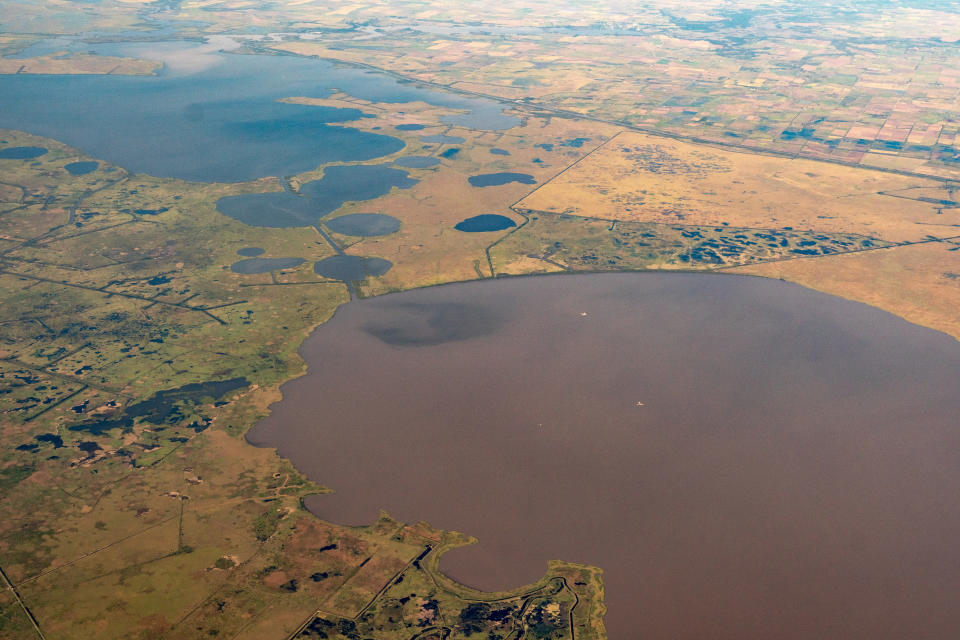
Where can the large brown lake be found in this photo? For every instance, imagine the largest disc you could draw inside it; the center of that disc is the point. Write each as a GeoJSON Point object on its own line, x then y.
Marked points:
{"type": "Point", "coordinates": [793, 471]}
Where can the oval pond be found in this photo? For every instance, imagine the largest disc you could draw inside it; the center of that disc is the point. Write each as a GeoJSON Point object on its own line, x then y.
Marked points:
{"type": "Point", "coordinates": [363, 224]}
{"type": "Point", "coordinates": [497, 179]}
{"type": "Point", "coordinates": [485, 222]}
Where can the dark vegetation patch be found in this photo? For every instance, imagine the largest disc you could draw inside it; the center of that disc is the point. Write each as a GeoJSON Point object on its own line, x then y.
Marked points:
{"type": "Point", "coordinates": [164, 407]}
{"type": "Point", "coordinates": [592, 245]}
{"type": "Point", "coordinates": [51, 438]}
{"type": "Point", "coordinates": [266, 524]}
{"type": "Point", "coordinates": [11, 476]}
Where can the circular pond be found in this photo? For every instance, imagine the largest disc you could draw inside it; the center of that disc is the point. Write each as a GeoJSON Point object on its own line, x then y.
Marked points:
{"type": "Point", "coordinates": [82, 167]}
{"type": "Point", "coordinates": [349, 268]}
{"type": "Point", "coordinates": [363, 224]}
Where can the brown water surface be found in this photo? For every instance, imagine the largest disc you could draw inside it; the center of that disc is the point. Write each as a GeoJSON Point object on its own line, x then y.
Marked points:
{"type": "Point", "coordinates": [792, 472]}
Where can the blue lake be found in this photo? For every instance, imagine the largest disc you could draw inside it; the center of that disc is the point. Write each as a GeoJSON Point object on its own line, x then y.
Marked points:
{"type": "Point", "coordinates": [339, 184]}
{"type": "Point", "coordinates": [221, 122]}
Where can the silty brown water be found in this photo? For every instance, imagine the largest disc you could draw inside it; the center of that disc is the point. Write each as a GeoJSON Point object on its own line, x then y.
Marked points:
{"type": "Point", "coordinates": [744, 458]}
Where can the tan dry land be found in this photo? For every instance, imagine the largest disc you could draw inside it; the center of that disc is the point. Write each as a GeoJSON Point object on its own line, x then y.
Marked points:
{"type": "Point", "coordinates": [641, 178]}
{"type": "Point", "coordinates": [920, 283]}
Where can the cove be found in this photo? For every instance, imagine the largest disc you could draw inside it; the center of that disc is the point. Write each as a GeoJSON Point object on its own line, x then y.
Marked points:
{"type": "Point", "coordinates": [744, 458]}
{"type": "Point", "coordinates": [317, 198]}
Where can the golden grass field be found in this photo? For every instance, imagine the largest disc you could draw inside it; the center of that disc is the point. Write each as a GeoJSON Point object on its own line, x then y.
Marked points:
{"type": "Point", "coordinates": [641, 178]}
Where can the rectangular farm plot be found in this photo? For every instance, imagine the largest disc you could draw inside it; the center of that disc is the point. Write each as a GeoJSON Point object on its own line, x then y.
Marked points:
{"type": "Point", "coordinates": [641, 178]}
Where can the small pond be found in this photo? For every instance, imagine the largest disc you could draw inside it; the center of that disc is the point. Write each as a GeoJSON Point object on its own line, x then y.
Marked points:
{"type": "Point", "coordinates": [350, 268]}
{"type": "Point", "coordinates": [265, 265]}
{"type": "Point", "coordinates": [21, 153]}
{"type": "Point", "coordinates": [485, 222]}
{"type": "Point", "coordinates": [497, 179]}
{"type": "Point", "coordinates": [81, 168]}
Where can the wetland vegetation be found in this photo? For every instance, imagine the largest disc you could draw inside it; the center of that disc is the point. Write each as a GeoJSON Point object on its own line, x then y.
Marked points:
{"type": "Point", "coordinates": [137, 348]}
